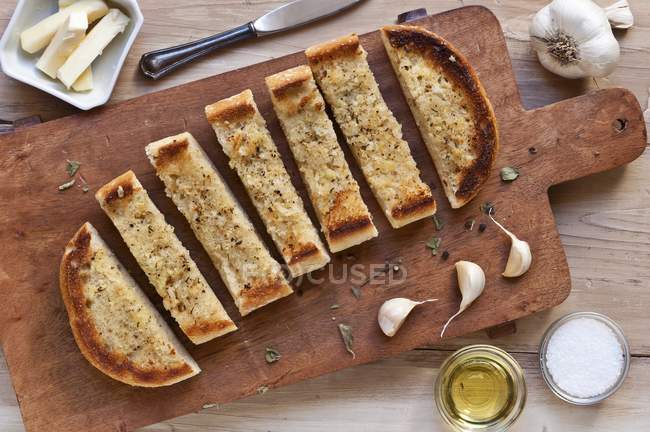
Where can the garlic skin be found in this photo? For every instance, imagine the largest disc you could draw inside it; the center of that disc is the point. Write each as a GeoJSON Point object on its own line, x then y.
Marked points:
{"type": "Point", "coordinates": [393, 313]}
{"type": "Point", "coordinates": [620, 15]}
{"type": "Point", "coordinates": [471, 282]}
{"type": "Point", "coordinates": [573, 39]}
{"type": "Point", "coordinates": [520, 257]}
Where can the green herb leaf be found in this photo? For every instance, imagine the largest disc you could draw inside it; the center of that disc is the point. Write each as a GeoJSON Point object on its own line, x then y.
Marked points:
{"type": "Point", "coordinates": [334, 306]}
{"type": "Point", "coordinates": [488, 208]}
{"type": "Point", "coordinates": [262, 389]}
{"type": "Point", "coordinates": [434, 245]}
{"type": "Point", "coordinates": [272, 355]}
{"type": "Point", "coordinates": [348, 339]}
{"type": "Point", "coordinates": [509, 174]}
{"type": "Point", "coordinates": [67, 185]}
{"type": "Point", "coordinates": [72, 167]}
{"type": "Point", "coordinates": [438, 223]}
{"type": "Point", "coordinates": [85, 188]}
{"type": "Point", "coordinates": [469, 224]}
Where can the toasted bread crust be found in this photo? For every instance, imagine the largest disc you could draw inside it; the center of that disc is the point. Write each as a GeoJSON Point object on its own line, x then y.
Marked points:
{"type": "Point", "coordinates": [232, 109]}
{"type": "Point", "coordinates": [439, 53]}
{"type": "Point", "coordinates": [118, 366]}
{"type": "Point", "coordinates": [373, 133]}
{"type": "Point", "coordinates": [199, 192]}
{"type": "Point", "coordinates": [255, 157]}
{"type": "Point", "coordinates": [184, 288]}
{"type": "Point", "coordinates": [314, 145]}
{"type": "Point", "coordinates": [334, 49]}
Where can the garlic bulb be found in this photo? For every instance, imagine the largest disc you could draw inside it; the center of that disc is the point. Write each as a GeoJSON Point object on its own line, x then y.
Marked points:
{"type": "Point", "coordinates": [393, 313]}
{"type": "Point", "coordinates": [573, 39]}
{"type": "Point", "coordinates": [520, 257]}
{"type": "Point", "coordinates": [471, 282]}
{"type": "Point", "coordinates": [620, 15]}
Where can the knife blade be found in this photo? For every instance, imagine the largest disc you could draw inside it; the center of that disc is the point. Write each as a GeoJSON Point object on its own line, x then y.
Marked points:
{"type": "Point", "coordinates": [156, 64]}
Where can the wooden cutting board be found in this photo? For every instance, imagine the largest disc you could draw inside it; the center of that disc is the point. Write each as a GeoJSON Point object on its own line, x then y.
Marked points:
{"type": "Point", "coordinates": [59, 391]}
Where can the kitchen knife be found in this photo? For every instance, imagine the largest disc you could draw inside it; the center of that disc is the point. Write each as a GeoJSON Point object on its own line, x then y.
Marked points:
{"type": "Point", "coordinates": [156, 64]}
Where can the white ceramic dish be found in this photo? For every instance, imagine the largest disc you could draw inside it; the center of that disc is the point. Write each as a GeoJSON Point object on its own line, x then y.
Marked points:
{"type": "Point", "coordinates": [21, 65]}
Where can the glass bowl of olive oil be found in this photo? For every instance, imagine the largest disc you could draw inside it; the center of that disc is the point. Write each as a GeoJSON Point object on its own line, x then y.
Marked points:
{"type": "Point", "coordinates": [480, 388]}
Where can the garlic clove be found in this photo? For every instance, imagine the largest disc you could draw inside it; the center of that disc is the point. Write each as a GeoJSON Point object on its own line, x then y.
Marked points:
{"type": "Point", "coordinates": [393, 313]}
{"type": "Point", "coordinates": [520, 257]}
{"type": "Point", "coordinates": [620, 15]}
{"type": "Point", "coordinates": [519, 260]}
{"type": "Point", "coordinates": [471, 282]}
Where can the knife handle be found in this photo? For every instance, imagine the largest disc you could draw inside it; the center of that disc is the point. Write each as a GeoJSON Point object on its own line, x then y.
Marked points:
{"type": "Point", "coordinates": [156, 64]}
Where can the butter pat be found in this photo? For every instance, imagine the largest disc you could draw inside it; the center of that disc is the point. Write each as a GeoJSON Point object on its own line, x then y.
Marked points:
{"type": "Point", "coordinates": [66, 39]}
{"type": "Point", "coordinates": [84, 82]}
{"type": "Point", "coordinates": [39, 36]}
{"type": "Point", "coordinates": [92, 46]}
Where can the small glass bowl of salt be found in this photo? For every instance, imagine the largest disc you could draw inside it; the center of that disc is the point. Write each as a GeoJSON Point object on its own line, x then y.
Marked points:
{"type": "Point", "coordinates": [584, 357]}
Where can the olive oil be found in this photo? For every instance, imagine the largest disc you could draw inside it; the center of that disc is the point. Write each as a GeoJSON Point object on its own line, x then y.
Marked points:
{"type": "Point", "coordinates": [480, 388]}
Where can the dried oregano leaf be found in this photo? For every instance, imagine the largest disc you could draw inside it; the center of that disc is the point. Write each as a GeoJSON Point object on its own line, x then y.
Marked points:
{"type": "Point", "coordinates": [348, 339]}
{"type": "Point", "coordinates": [438, 223]}
{"type": "Point", "coordinates": [72, 167]}
{"type": "Point", "coordinates": [509, 174]}
{"type": "Point", "coordinates": [272, 355]}
{"type": "Point", "coordinates": [434, 245]}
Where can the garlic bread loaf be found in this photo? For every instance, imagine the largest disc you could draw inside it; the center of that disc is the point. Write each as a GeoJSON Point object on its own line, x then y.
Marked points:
{"type": "Point", "coordinates": [450, 106]}
{"type": "Point", "coordinates": [242, 133]}
{"type": "Point", "coordinates": [252, 276]}
{"type": "Point", "coordinates": [115, 325]}
{"type": "Point", "coordinates": [371, 130]}
{"type": "Point", "coordinates": [344, 217]}
{"type": "Point", "coordinates": [163, 258]}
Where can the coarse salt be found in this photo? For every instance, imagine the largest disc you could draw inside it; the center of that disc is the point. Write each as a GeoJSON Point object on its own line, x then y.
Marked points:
{"type": "Point", "coordinates": [584, 357]}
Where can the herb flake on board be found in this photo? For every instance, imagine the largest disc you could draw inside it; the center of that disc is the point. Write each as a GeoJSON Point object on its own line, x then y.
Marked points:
{"type": "Point", "coordinates": [509, 174]}
{"type": "Point", "coordinates": [262, 389]}
{"type": "Point", "coordinates": [469, 224]}
{"type": "Point", "coordinates": [67, 185]}
{"type": "Point", "coordinates": [72, 167]}
{"type": "Point", "coordinates": [434, 245]}
{"type": "Point", "coordinates": [482, 227]}
{"type": "Point", "coordinates": [356, 292]}
{"type": "Point", "coordinates": [348, 339]}
{"type": "Point", "coordinates": [438, 223]}
{"type": "Point", "coordinates": [272, 355]}
{"type": "Point", "coordinates": [488, 208]}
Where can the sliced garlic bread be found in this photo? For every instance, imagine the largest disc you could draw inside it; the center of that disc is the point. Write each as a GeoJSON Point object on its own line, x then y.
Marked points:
{"type": "Point", "coordinates": [371, 130]}
{"type": "Point", "coordinates": [344, 217]}
{"type": "Point", "coordinates": [252, 276]}
{"type": "Point", "coordinates": [242, 133]}
{"type": "Point", "coordinates": [450, 107]}
{"type": "Point", "coordinates": [164, 259]}
{"type": "Point", "coordinates": [115, 325]}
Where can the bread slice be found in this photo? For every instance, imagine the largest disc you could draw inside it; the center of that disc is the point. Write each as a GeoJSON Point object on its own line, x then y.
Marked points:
{"type": "Point", "coordinates": [450, 106]}
{"type": "Point", "coordinates": [164, 259]}
{"type": "Point", "coordinates": [344, 217]}
{"type": "Point", "coordinates": [371, 130]}
{"type": "Point", "coordinates": [242, 132]}
{"type": "Point", "coordinates": [252, 276]}
{"type": "Point", "coordinates": [115, 325]}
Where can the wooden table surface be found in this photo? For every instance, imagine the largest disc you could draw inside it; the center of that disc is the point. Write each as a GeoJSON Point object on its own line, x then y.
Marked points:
{"type": "Point", "coordinates": [604, 222]}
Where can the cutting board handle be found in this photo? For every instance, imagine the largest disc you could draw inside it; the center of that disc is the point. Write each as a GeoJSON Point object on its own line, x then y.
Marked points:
{"type": "Point", "coordinates": [586, 135]}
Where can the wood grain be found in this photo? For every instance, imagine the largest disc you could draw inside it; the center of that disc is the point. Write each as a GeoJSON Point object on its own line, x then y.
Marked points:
{"type": "Point", "coordinates": [602, 220]}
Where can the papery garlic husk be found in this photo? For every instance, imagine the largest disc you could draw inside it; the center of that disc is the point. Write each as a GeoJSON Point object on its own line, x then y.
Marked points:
{"type": "Point", "coordinates": [393, 313]}
{"type": "Point", "coordinates": [620, 15]}
{"type": "Point", "coordinates": [471, 282]}
{"type": "Point", "coordinates": [520, 257]}
{"type": "Point", "coordinates": [573, 39]}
